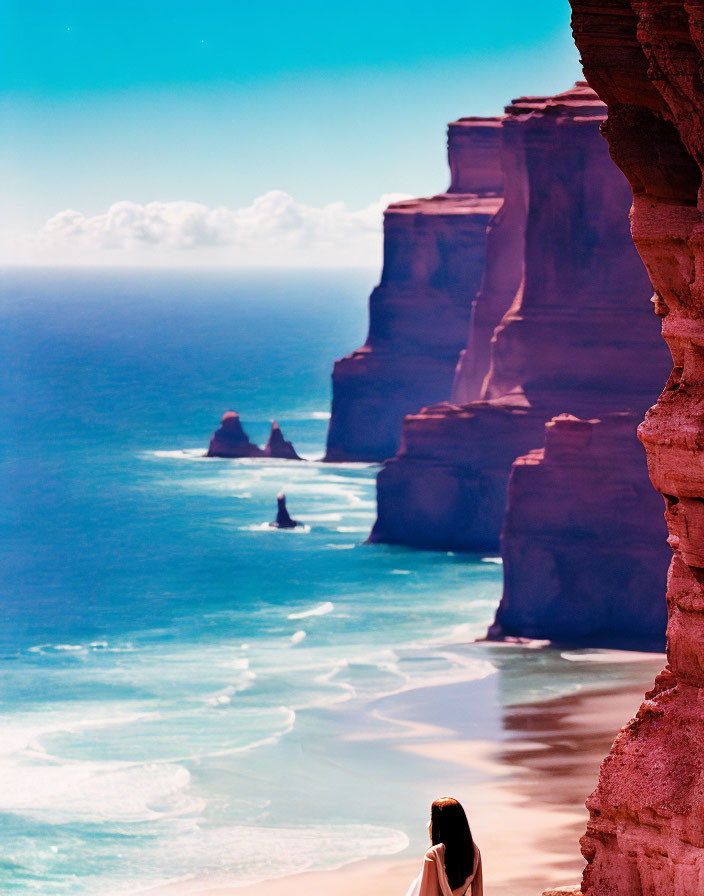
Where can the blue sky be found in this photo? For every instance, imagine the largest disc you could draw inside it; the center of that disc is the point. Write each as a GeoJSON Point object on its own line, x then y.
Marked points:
{"type": "Point", "coordinates": [221, 102]}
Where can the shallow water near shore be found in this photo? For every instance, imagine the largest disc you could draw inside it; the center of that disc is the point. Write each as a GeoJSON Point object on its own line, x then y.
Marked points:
{"type": "Point", "coordinates": [186, 693]}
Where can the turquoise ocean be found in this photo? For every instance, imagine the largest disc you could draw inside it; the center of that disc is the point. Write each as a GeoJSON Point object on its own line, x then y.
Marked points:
{"type": "Point", "coordinates": [186, 693]}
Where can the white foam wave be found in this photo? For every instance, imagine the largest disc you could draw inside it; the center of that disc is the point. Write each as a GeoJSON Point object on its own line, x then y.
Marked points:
{"type": "Point", "coordinates": [463, 673]}
{"type": "Point", "coordinates": [237, 855]}
{"type": "Point", "coordinates": [24, 734]}
{"type": "Point", "coordinates": [239, 662]}
{"type": "Point", "coordinates": [97, 792]}
{"type": "Point", "coordinates": [320, 610]}
{"type": "Point", "coordinates": [101, 646]}
{"type": "Point", "coordinates": [611, 656]}
{"type": "Point", "coordinates": [287, 728]}
{"type": "Point", "coordinates": [298, 636]}
{"type": "Point", "coordinates": [343, 466]}
{"type": "Point", "coordinates": [498, 560]}
{"type": "Point", "coordinates": [220, 700]}
{"type": "Point", "coordinates": [458, 635]}
{"type": "Point", "coordinates": [222, 697]}
{"type": "Point", "coordinates": [180, 454]}
{"type": "Point", "coordinates": [306, 415]}
{"type": "Point", "coordinates": [266, 527]}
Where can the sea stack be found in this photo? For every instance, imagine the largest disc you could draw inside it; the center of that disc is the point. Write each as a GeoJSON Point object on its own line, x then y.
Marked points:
{"type": "Point", "coordinates": [419, 314]}
{"type": "Point", "coordinates": [577, 337]}
{"type": "Point", "coordinates": [283, 520]}
{"type": "Point", "coordinates": [646, 817]}
{"type": "Point", "coordinates": [230, 440]}
{"type": "Point", "coordinates": [277, 446]}
{"type": "Point", "coordinates": [584, 544]}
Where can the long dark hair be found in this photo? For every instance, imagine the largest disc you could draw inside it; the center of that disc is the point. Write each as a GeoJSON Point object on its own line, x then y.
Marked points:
{"type": "Point", "coordinates": [449, 825]}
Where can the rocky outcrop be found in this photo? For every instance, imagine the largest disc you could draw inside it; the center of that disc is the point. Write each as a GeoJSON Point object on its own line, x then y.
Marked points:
{"type": "Point", "coordinates": [277, 446]}
{"type": "Point", "coordinates": [563, 891]}
{"type": "Point", "coordinates": [230, 440]}
{"type": "Point", "coordinates": [645, 57]}
{"type": "Point", "coordinates": [446, 487]}
{"type": "Point", "coordinates": [419, 314]}
{"type": "Point", "coordinates": [578, 337]}
{"type": "Point", "coordinates": [584, 540]}
{"type": "Point", "coordinates": [283, 519]}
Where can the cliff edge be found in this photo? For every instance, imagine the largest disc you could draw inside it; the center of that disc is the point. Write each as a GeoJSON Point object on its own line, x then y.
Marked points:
{"type": "Point", "coordinates": [419, 314]}
{"type": "Point", "coordinates": [645, 58]}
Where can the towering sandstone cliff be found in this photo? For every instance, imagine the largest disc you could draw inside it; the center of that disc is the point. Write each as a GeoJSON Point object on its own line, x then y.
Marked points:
{"type": "Point", "coordinates": [419, 313]}
{"type": "Point", "coordinates": [578, 336]}
{"type": "Point", "coordinates": [584, 539]}
{"type": "Point", "coordinates": [645, 58]}
{"type": "Point", "coordinates": [503, 269]}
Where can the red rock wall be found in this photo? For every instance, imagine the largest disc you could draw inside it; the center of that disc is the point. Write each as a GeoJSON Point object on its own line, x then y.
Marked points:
{"type": "Point", "coordinates": [570, 342]}
{"type": "Point", "coordinates": [503, 270]}
{"type": "Point", "coordinates": [577, 332]}
{"type": "Point", "coordinates": [419, 314]}
{"type": "Point", "coordinates": [446, 487]}
{"type": "Point", "coordinates": [646, 828]}
{"type": "Point", "coordinates": [471, 152]}
{"type": "Point", "coordinates": [573, 571]}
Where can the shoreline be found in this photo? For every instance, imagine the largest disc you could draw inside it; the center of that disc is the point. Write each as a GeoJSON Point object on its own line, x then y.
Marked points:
{"type": "Point", "coordinates": [524, 794]}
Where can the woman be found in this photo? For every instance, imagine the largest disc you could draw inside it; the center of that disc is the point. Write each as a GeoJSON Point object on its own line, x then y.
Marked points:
{"type": "Point", "coordinates": [452, 866]}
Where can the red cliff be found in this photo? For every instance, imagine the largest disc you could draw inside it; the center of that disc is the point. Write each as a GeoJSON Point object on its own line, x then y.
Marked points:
{"type": "Point", "coordinates": [503, 270]}
{"type": "Point", "coordinates": [584, 540]}
{"type": "Point", "coordinates": [419, 314]}
{"type": "Point", "coordinates": [578, 337]}
{"type": "Point", "coordinates": [645, 58]}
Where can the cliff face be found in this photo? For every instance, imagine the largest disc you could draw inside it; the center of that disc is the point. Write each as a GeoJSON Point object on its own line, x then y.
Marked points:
{"type": "Point", "coordinates": [472, 144]}
{"type": "Point", "coordinates": [573, 572]}
{"type": "Point", "coordinates": [646, 826]}
{"type": "Point", "coordinates": [577, 333]}
{"type": "Point", "coordinates": [578, 337]}
{"type": "Point", "coordinates": [419, 314]}
{"type": "Point", "coordinates": [503, 270]}
{"type": "Point", "coordinates": [446, 487]}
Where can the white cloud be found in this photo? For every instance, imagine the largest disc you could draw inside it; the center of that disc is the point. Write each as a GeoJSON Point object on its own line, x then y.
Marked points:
{"type": "Point", "coordinates": [274, 229]}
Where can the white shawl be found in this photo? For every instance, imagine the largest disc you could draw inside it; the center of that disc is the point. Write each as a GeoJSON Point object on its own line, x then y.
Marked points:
{"type": "Point", "coordinates": [432, 881]}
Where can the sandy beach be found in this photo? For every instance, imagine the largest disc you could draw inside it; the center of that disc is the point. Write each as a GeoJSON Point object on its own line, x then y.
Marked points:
{"type": "Point", "coordinates": [524, 791]}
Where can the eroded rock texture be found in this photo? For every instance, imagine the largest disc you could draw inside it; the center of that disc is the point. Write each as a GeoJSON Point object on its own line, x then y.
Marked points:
{"type": "Point", "coordinates": [578, 336]}
{"type": "Point", "coordinates": [278, 446]}
{"type": "Point", "coordinates": [563, 891]}
{"type": "Point", "coordinates": [645, 58]}
{"type": "Point", "coordinates": [230, 440]}
{"type": "Point", "coordinates": [584, 540]}
{"type": "Point", "coordinates": [503, 270]}
{"type": "Point", "coordinates": [419, 313]}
